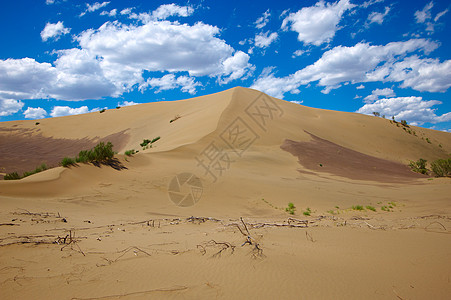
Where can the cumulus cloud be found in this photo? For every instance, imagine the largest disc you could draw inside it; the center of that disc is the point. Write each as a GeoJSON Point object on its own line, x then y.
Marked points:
{"type": "Point", "coordinates": [94, 7]}
{"type": "Point", "coordinates": [9, 107]}
{"type": "Point", "coordinates": [163, 12]}
{"type": "Point", "coordinates": [387, 92]}
{"type": "Point", "coordinates": [263, 20]}
{"type": "Point", "coordinates": [265, 39]}
{"type": "Point", "coordinates": [113, 59]}
{"type": "Point", "coordinates": [377, 17]}
{"type": "Point", "coordinates": [126, 103]}
{"type": "Point", "coordinates": [368, 63]}
{"type": "Point", "coordinates": [35, 113]}
{"type": "Point", "coordinates": [170, 81]}
{"type": "Point", "coordinates": [61, 111]}
{"type": "Point", "coordinates": [111, 13]}
{"type": "Point", "coordinates": [415, 110]}
{"type": "Point", "coordinates": [54, 31]}
{"type": "Point", "coordinates": [360, 87]}
{"type": "Point", "coordinates": [317, 24]}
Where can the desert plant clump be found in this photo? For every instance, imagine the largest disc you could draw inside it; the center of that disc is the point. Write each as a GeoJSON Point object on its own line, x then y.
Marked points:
{"type": "Point", "coordinates": [370, 208]}
{"type": "Point", "coordinates": [148, 143]}
{"type": "Point", "coordinates": [102, 110]}
{"type": "Point", "coordinates": [290, 209]}
{"type": "Point", "coordinates": [16, 176]}
{"type": "Point", "coordinates": [12, 176]}
{"type": "Point", "coordinates": [357, 207]}
{"type": "Point", "coordinates": [307, 212]}
{"type": "Point", "coordinates": [130, 152]}
{"type": "Point", "coordinates": [100, 153]}
{"type": "Point", "coordinates": [441, 167]}
{"type": "Point", "coordinates": [404, 123]}
{"type": "Point", "coordinates": [419, 166]}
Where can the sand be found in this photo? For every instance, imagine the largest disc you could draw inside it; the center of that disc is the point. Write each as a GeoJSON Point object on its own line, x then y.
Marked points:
{"type": "Point", "coordinates": [97, 232]}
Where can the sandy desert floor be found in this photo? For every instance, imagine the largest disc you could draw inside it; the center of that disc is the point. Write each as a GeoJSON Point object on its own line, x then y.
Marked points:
{"type": "Point", "coordinates": [97, 232]}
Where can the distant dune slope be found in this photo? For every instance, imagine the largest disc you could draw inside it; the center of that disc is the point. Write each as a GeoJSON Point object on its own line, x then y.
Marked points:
{"type": "Point", "coordinates": [269, 122]}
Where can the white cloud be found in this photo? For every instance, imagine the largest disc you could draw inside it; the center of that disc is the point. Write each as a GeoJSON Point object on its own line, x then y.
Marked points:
{"type": "Point", "coordinates": [35, 113]}
{"type": "Point", "coordinates": [265, 39]}
{"type": "Point", "coordinates": [440, 14]}
{"type": "Point", "coordinates": [9, 107]}
{"type": "Point", "coordinates": [425, 14]}
{"type": "Point", "coordinates": [163, 12]}
{"type": "Point", "coordinates": [360, 87]}
{"type": "Point", "coordinates": [126, 11]}
{"type": "Point", "coordinates": [48, 2]}
{"type": "Point", "coordinates": [376, 17]}
{"type": "Point", "coordinates": [54, 31]}
{"type": "Point", "coordinates": [297, 102]}
{"type": "Point", "coordinates": [236, 66]}
{"type": "Point", "coordinates": [317, 24]}
{"type": "Point", "coordinates": [263, 20]}
{"type": "Point", "coordinates": [94, 7]}
{"type": "Point", "coordinates": [111, 13]}
{"type": "Point", "coordinates": [169, 82]}
{"type": "Point", "coordinates": [370, 2]}
{"type": "Point", "coordinates": [415, 110]}
{"type": "Point", "coordinates": [127, 103]}
{"type": "Point", "coordinates": [367, 63]}
{"type": "Point", "coordinates": [60, 111]}
{"type": "Point", "coordinates": [387, 92]}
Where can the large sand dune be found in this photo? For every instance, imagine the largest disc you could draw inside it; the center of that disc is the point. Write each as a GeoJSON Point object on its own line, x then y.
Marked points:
{"type": "Point", "coordinates": [225, 234]}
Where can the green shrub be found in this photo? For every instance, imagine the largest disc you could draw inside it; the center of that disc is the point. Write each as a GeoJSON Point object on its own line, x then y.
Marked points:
{"type": "Point", "coordinates": [145, 143]}
{"type": "Point", "coordinates": [357, 207]}
{"type": "Point", "coordinates": [404, 123]}
{"type": "Point", "coordinates": [371, 208]}
{"type": "Point", "coordinates": [12, 176]}
{"type": "Point", "coordinates": [155, 139]}
{"type": "Point", "coordinates": [67, 161]}
{"type": "Point", "coordinates": [102, 111]}
{"type": "Point", "coordinates": [307, 212]}
{"type": "Point", "coordinates": [290, 209]}
{"type": "Point", "coordinates": [38, 169]}
{"type": "Point", "coordinates": [419, 166]}
{"type": "Point", "coordinates": [441, 167]}
{"type": "Point", "coordinates": [130, 152]}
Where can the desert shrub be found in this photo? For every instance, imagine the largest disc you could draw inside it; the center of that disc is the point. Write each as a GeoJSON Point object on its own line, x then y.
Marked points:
{"type": "Point", "coordinates": [441, 167]}
{"type": "Point", "coordinates": [428, 140]}
{"type": "Point", "coordinates": [155, 139]}
{"type": "Point", "coordinates": [38, 169]}
{"type": "Point", "coordinates": [67, 161]}
{"type": "Point", "coordinates": [357, 207]}
{"type": "Point", "coordinates": [145, 143]}
{"type": "Point", "coordinates": [176, 117]}
{"type": "Point", "coordinates": [376, 114]}
{"type": "Point", "coordinates": [419, 166]}
{"type": "Point", "coordinates": [371, 208]}
{"type": "Point", "coordinates": [102, 111]}
{"type": "Point", "coordinates": [290, 209]}
{"type": "Point", "coordinates": [130, 152]}
{"type": "Point", "coordinates": [12, 176]}
{"type": "Point", "coordinates": [307, 212]}
{"type": "Point", "coordinates": [404, 123]}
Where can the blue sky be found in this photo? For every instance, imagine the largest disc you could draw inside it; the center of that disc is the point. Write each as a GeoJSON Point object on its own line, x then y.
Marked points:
{"type": "Point", "coordinates": [63, 57]}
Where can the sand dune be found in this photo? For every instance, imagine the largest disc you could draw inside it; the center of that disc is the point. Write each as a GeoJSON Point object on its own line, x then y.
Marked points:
{"type": "Point", "coordinates": [252, 154]}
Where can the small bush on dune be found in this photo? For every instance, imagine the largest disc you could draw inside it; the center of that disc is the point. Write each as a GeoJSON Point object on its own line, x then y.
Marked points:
{"type": "Point", "coordinates": [12, 176]}
{"type": "Point", "coordinates": [419, 166]}
{"type": "Point", "coordinates": [100, 153]}
{"type": "Point", "coordinates": [130, 152]}
{"type": "Point", "coordinates": [441, 167]}
{"type": "Point", "coordinates": [290, 209]}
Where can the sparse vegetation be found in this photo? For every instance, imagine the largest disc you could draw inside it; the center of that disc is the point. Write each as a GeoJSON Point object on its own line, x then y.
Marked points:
{"type": "Point", "coordinates": [385, 208]}
{"type": "Point", "coordinates": [290, 209]}
{"type": "Point", "coordinates": [428, 140]}
{"type": "Point", "coordinates": [176, 117]}
{"type": "Point", "coordinates": [404, 123]}
{"type": "Point", "coordinates": [441, 167]}
{"type": "Point", "coordinates": [102, 110]}
{"type": "Point", "coordinates": [16, 176]}
{"type": "Point", "coordinates": [37, 123]}
{"type": "Point", "coordinates": [100, 153]}
{"type": "Point", "coordinates": [419, 166]}
{"type": "Point", "coordinates": [148, 143]}
{"type": "Point", "coordinates": [307, 212]}
{"type": "Point", "coordinates": [130, 152]}
{"type": "Point", "coordinates": [370, 208]}
{"type": "Point", "coordinates": [357, 207]}
{"type": "Point", "coordinates": [376, 114]}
